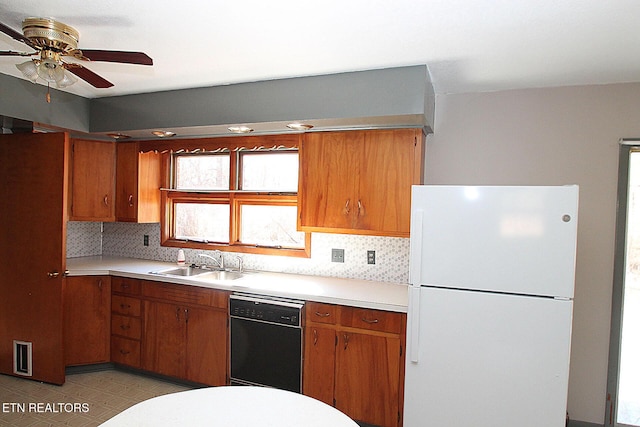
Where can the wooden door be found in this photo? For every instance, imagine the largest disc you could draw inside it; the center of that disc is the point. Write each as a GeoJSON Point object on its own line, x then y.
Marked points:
{"type": "Point", "coordinates": [384, 186]}
{"type": "Point", "coordinates": [93, 180]}
{"type": "Point", "coordinates": [33, 197]}
{"type": "Point", "coordinates": [368, 377]}
{"type": "Point", "coordinates": [164, 339]}
{"type": "Point", "coordinates": [328, 176]}
{"type": "Point", "coordinates": [87, 313]}
{"type": "Point", "coordinates": [319, 363]}
{"type": "Point", "coordinates": [206, 349]}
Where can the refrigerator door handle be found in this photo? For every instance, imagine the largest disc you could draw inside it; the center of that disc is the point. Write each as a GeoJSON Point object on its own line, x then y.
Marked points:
{"type": "Point", "coordinates": [416, 246]}
{"type": "Point", "coordinates": [414, 332]}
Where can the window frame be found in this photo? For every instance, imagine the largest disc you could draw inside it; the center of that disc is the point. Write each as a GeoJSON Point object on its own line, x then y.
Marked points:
{"type": "Point", "coordinates": [235, 198]}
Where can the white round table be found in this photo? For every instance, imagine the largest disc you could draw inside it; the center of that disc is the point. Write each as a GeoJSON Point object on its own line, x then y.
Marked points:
{"type": "Point", "coordinates": [232, 406]}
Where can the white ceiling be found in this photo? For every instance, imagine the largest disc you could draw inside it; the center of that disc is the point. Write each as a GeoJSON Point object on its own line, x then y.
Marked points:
{"type": "Point", "coordinates": [468, 45]}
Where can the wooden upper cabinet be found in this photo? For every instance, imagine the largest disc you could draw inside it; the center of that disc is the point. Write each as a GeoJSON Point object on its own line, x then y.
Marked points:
{"type": "Point", "coordinates": [359, 182]}
{"type": "Point", "coordinates": [93, 166]}
{"type": "Point", "coordinates": [137, 184]}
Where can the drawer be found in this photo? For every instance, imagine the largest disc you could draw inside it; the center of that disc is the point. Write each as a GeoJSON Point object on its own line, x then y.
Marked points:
{"type": "Point", "coordinates": [178, 293]}
{"type": "Point", "coordinates": [321, 313]}
{"type": "Point", "coordinates": [125, 285]}
{"type": "Point", "coordinates": [125, 351]}
{"type": "Point", "coordinates": [127, 306]}
{"type": "Point", "coordinates": [375, 320]}
{"type": "Point", "coordinates": [126, 326]}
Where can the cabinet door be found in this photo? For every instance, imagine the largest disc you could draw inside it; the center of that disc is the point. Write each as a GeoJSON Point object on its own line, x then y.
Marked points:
{"type": "Point", "coordinates": [385, 180]}
{"type": "Point", "coordinates": [328, 177]}
{"type": "Point", "coordinates": [319, 363]}
{"type": "Point", "coordinates": [93, 180]}
{"type": "Point", "coordinates": [137, 184]}
{"type": "Point", "coordinates": [206, 347]}
{"type": "Point", "coordinates": [87, 319]}
{"type": "Point", "coordinates": [164, 339]}
{"type": "Point", "coordinates": [367, 382]}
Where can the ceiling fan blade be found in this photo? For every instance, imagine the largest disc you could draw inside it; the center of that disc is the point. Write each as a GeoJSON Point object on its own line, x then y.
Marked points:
{"type": "Point", "coordinates": [89, 76]}
{"type": "Point", "coordinates": [12, 53]}
{"type": "Point", "coordinates": [114, 56]}
{"type": "Point", "coordinates": [15, 35]}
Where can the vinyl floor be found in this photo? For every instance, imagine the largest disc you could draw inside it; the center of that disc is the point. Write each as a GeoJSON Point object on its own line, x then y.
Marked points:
{"type": "Point", "coordinates": [86, 399]}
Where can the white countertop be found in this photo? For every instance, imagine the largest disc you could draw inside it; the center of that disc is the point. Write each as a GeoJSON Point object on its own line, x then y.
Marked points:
{"type": "Point", "coordinates": [230, 406]}
{"type": "Point", "coordinates": [351, 292]}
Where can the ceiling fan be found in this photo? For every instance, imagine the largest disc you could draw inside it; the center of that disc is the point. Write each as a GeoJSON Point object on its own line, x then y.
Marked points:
{"type": "Point", "coordinates": [52, 41]}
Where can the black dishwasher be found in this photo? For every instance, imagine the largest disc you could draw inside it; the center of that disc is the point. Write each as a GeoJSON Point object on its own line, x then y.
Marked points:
{"type": "Point", "coordinates": [266, 342]}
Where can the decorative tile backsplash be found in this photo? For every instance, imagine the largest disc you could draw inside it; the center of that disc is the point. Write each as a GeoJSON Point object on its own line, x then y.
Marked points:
{"type": "Point", "coordinates": [127, 240]}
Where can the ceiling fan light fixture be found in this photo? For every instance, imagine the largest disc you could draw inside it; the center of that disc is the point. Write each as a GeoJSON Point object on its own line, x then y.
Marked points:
{"type": "Point", "coordinates": [29, 69]}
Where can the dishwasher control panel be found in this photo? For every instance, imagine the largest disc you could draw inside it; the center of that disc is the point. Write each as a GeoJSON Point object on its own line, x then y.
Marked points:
{"type": "Point", "coordinates": [278, 311]}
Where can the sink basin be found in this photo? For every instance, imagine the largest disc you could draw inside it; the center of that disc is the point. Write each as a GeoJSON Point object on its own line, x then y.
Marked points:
{"type": "Point", "coordinates": [182, 271]}
{"type": "Point", "coordinates": [221, 275]}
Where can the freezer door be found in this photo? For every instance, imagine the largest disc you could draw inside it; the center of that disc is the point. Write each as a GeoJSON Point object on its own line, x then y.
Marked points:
{"type": "Point", "coordinates": [509, 239]}
{"type": "Point", "coordinates": [487, 360]}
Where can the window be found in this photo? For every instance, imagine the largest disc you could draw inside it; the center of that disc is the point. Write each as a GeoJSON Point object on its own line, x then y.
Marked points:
{"type": "Point", "coordinates": [245, 201]}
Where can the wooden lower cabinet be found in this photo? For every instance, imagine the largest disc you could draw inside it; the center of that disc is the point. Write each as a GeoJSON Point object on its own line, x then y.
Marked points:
{"type": "Point", "coordinates": [181, 338]}
{"type": "Point", "coordinates": [86, 319]}
{"type": "Point", "coordinates": [126, 321]}
{"type": "Point", "coordinates": [354, 360]}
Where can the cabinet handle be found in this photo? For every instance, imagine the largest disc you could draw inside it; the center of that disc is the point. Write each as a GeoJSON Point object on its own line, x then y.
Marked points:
{"type": "Point", "coordinates": [106, 200]}
{"type": "Point", "coordinates": [371, 322]}
{"type": "Point", "coordinates": [186, 315]}
{"type": "Point", "coordinates": [131, 200]}
{"type": "Point", "coordinates": [178, 314]}
{"type": "Point", "coordinates": [100, 284]}
{"type": "Point", "coordinates": [346, 341]}
{"type": "Point", "coordinates": [123, 352]}
{"type": "Point", "coordinates": [315, 336]}
{"type": "Point", "coordinates": [125, 306]}
{"type": "Point", "coordinates": [347, 209]}
{"type": "Point", "coordinates": [53, 274]}
{"type": "Point", "coordinates": [360, 208]}
{"type": "Point", "coordinates": [124, 286]}
{"type": "Point", "coordinates": [125, 327]}
{"type": "Point", "coordinates": [317, 313]}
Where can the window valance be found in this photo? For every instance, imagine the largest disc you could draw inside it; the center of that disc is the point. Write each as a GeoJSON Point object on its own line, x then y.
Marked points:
{"type": "Point", "coordinates": [224, 143]}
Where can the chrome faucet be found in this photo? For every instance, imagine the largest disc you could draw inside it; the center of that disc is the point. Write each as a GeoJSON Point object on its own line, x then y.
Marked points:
{"type": "Point", "coordinates": [219, 261]}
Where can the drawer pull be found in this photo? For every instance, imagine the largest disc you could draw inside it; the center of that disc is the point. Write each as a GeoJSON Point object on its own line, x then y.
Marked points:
{"type": "Point", "coordinates": [315, 336]}
{"type": "Point", "coordinates": [322, 314]}
{"type": "Point", "coordinates": [371, 322]}
{"type": "Point", "coordinates": [124, 286]}
{"type": "Point", "coordinates": [124, 352]}
{"type": "Point", "coordinates": [123, 306]}
{"type": "Point", "coordinates": [125, 327]}
{"type": "Point", "coordinates": [346, 341]}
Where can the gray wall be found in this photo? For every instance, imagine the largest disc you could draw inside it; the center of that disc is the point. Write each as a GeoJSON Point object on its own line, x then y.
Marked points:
{"type": "Point", "coordinates": [551, 137]}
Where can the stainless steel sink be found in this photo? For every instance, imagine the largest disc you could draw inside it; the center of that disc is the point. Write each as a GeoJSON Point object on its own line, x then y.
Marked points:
{"type": "Point", "coordinates": [182, 271]}
{"type": "Point", "coordinates": [221, 275]}
{"type": "Point", "coordinates": [200, 273]}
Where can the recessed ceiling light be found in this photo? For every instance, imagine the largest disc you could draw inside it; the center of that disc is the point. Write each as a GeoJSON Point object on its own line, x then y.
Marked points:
{"type": "Point", "coordinates": [163, 133]}
{"type": "Point", "coordinates": [118, 136]}
{"type": "Point", "coordinates": [240, 129]}
{"type": "Point", "coordinates": [299, 126]}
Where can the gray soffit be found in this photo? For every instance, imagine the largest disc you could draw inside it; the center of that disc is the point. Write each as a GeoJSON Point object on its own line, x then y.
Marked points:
{"type": "Point", "coordinates": [392, 97]}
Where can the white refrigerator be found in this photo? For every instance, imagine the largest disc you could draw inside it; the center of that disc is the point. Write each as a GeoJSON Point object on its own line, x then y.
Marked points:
{"type": "Point", "coordinates": [492, 274]}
